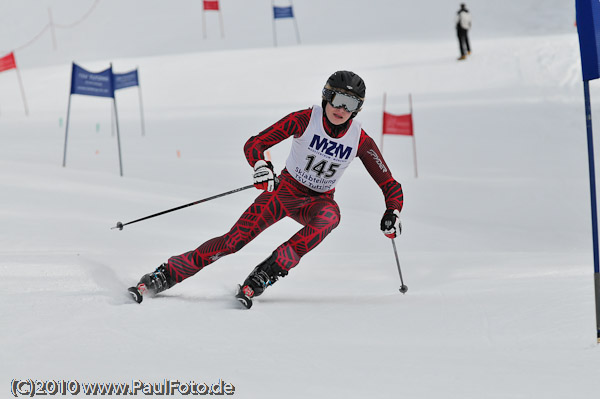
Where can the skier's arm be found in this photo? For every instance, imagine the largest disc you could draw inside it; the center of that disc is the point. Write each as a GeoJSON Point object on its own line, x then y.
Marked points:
{"type": "Point", "coordinates": [293, 124]}
{"type": "Point", "coordinates": [371, 157]}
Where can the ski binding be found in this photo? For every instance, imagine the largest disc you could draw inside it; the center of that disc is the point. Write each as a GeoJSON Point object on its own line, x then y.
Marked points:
{"type": "Point", "coordinates": [244, 297]}
{"type": "Point", "coordinates": [137, 293]}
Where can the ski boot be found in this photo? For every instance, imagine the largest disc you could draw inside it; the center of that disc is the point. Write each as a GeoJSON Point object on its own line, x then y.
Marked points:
{"type": "Point", "coordinates": [152, 283]}
{"type": "Point", "coordinates": [263, 275]}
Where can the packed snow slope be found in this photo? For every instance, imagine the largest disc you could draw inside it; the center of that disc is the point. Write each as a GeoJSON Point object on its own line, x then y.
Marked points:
{"type": "Point", "coordinates": [83, 30]}
{"type": "Point", "coordinates": [496, 248]}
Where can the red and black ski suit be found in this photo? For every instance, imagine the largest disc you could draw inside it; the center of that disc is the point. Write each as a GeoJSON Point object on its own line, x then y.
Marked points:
{"type": "Point", "coordinates": [317, 212]}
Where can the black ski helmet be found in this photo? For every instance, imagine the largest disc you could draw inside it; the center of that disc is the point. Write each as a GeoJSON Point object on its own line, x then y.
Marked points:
{"type": "Point", "coordinates": [346, 82]}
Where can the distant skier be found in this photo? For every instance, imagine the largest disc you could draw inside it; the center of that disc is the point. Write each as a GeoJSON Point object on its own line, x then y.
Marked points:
{"type": "Point", "coordinates": [463, 24]}
{"type": "Point", "coordinates": [326, 139]}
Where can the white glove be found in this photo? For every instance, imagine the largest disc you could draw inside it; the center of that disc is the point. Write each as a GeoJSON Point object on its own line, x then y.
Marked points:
{"type": "Point", "coordinates": [264, 176]}
{"type": "Point", "coordinates": [390, 223]}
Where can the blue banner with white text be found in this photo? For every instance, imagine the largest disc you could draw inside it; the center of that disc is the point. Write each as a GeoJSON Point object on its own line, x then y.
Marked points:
{"type": "Point", "coordinates": [588, 28]}
{"type": "Point", "coordinates": [88, 83]}
{"type": "Point", "coordinates": [283, 12]}
{"type": "Point", "coordinates": [127, 79]}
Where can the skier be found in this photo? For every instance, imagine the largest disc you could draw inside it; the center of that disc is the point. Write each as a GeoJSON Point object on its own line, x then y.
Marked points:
{"type": "Point", "coordinates": [463, 24]}
{"type": "Point", "coordinates": [326, 139]}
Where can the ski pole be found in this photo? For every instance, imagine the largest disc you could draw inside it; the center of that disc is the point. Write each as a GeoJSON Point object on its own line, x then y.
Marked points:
{"type": "Point", "coordinates": [121, 225]}
{"type": "Point", "coordinates": [403, 288]}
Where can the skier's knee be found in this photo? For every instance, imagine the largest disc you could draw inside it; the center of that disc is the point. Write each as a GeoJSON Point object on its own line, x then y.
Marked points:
{"type": "Point", "coordinates": [331, 214]}
{"type": "Point", "coordinates": [232, 246]}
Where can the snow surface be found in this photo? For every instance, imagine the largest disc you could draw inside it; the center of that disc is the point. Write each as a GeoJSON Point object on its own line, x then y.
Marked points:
{"type": "Point", "coordinates": [496, 249]}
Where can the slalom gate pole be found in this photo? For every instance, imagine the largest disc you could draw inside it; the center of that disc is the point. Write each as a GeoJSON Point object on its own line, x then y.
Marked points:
{"type": "Point", "coordinates": [121, 225]}
{"type": "Point", "coordinates": [592, 176]}
{"type": "Point", "coordinates": [403, 288]}
{"type": "Point", "coordinates": [67, 132]}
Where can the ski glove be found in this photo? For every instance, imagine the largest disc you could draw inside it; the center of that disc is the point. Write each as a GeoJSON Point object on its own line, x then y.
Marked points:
{"type": "Point", "coordinates": [264, 176]}
{"type": "Point", "coordinates": [390, 223]}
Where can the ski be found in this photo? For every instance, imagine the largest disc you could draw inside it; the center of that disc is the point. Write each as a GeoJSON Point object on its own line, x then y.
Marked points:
{"type": "Point", "coordinates": [137, 294]}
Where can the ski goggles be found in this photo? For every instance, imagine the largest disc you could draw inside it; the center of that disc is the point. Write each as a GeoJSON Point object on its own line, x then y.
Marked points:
{"type": "Point", "coordinates": [338, 99]}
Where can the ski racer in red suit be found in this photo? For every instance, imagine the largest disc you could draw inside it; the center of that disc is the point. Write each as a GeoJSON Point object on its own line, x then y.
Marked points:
{"type": "Point", "coordinates": [326, 139]}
